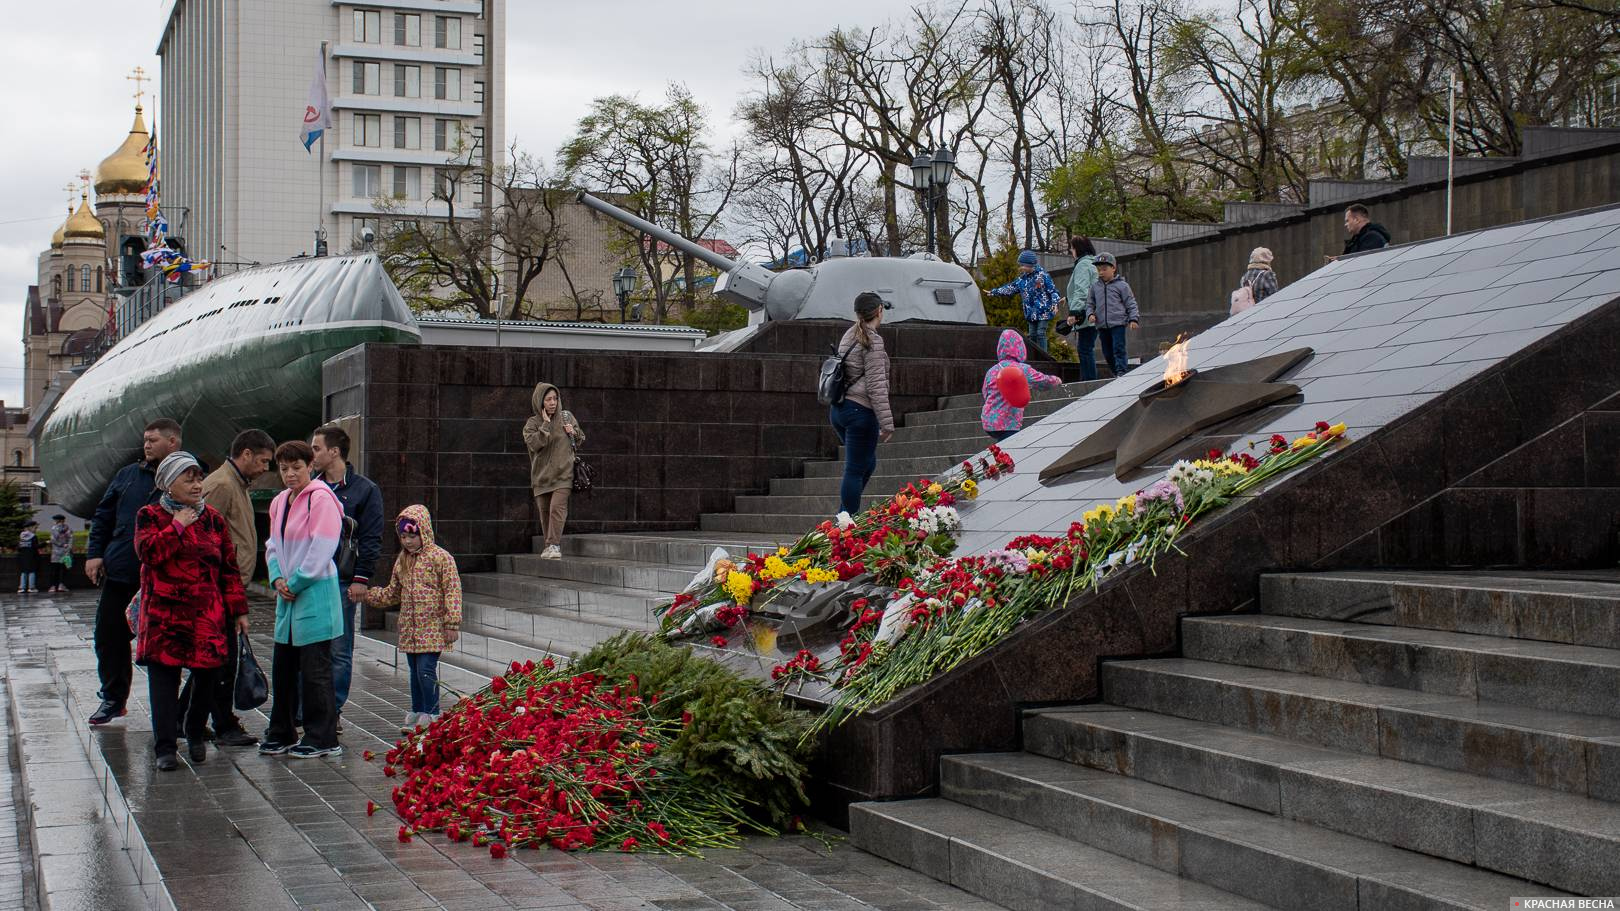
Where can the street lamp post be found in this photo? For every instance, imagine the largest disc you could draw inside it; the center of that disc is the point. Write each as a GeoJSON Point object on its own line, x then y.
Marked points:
{"type": "Point", "coordinates": [624, 282]}
{"type": "Point", "coordinates": [931, 177]}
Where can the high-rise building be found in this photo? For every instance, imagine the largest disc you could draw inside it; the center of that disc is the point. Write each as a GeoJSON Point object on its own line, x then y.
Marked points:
{"type": "Point", "coordinates": [415, 85]}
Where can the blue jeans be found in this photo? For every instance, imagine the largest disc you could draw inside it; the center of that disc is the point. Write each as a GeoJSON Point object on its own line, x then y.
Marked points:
{"type": "Point", "coordinates": [999, 435]}
{"type": "Point", "coordinates": [1039, 334]}
{"type": "Point", "coordinates": [1085, 344]}
{"type": "Point", "coordinates": [343, 652]}
{"type": "Point", "coordinates": [857, 428]}
{"type": "Point", "coordinates": [424, 682]}
{"type": "Point", "coordinates": [1113, 345]}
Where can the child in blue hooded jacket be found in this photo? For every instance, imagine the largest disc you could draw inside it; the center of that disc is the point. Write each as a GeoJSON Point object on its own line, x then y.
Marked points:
{"type": "Point", "coordinates": [1040, 297]}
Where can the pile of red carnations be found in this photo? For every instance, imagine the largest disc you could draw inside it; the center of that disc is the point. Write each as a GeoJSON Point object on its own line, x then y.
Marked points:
{"type": "Point", "coordinates": [540, 757]}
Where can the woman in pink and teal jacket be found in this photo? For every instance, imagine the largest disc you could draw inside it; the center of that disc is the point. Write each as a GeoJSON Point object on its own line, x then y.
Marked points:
{"type": "Point", "coordinates": [1001, 418]}
{"type": "Point", "coordinates": [306, 525]}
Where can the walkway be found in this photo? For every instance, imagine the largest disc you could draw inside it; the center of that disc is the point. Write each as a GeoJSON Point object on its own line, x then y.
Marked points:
{"type": "Point", "coordinates": [289, 834]}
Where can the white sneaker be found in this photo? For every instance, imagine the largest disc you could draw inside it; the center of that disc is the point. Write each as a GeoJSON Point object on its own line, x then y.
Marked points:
{"type": "Point", "coordinates": [411, 720]}
{"type": "Point", "coordinates": [551, 553]}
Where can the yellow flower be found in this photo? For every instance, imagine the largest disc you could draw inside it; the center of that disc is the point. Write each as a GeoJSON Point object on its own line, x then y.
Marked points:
{"type": "Point", "coordinates": [1302, 442]}
{"type": "Point", "coordinates": [782, 551]}
{"type": "Point", "coordinates": [1035, 556]}
{"type": "Point", "coordinates": [802, 565]}
{"type": "Point", "coordinates": [739, 586]}
{"type": "Point", "coordinates": [970, 489]}
{"type": "Point", "coordinates": [775, 568]}
{"type": "Point", "coordinates": [935, 490]}
{"type": "Point", "coordinates": [1102, 513]}
{"type": "Point", "coordinates": [819, 576]}
{"type": "Point", "coordinates": [1126, 504]}
{"type": "Point", "coordinates": [1337, 430]}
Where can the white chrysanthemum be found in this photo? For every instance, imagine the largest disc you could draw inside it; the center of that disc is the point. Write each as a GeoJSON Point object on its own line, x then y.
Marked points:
{"type": "Point", "coordinates": [844, 521]}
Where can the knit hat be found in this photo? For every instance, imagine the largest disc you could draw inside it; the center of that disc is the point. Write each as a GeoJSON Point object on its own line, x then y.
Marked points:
{"type": "Point", "coordinates": [1261, 255]}
{"type": "Point", "coordinates": [1028, 258]}
{"type": "Point", "coordinates": [171, 468]}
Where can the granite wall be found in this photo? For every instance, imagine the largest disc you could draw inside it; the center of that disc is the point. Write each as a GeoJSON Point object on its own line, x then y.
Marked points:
{"type": "Point", "coordinates": [670, 435]}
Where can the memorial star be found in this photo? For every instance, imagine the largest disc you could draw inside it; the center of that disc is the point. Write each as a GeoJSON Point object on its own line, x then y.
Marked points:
{"type": "Point", "coordinates": [1165, 415]}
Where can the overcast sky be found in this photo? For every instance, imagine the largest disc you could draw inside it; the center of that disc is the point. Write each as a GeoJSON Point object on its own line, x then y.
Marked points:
{"type": "Point", "coordinates": [68, 75]}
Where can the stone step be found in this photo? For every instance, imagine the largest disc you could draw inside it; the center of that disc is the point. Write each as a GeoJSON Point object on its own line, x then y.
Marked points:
{"type": "Point", "coordinates": [1569, 752]}
{"type": "Point", "coordinates": [1576, 608]}
{"type": "Point", "coordinates": [944, 430]}
{"type": "Point", "coordinates": [1066, 391]}
{"type": "Point", "coordinates": [553, 631]}
{"type": "Point", "coordinates": [956, 449]}
{"type": "Point", "coordinates": [577, 599]}
{"type": "Point", "coordinates": [970, 414]}
{"type": "Point", "coordinates": [880, 486]}
{"type": "Point", "coordinates": [909, 468]}
{"type": "Point", "coordinates": [1021, 867]}
{"type": "Point", "coordinates": [605, 571]}
{"type": "Point", "coordinates": [779, 504]}
{"type": "Point", "coordinates": [1551, 675]}
{"type": "Point", "coordinates": [1280, 862]}
{"type": "Point", "coordinates": [763, 523]}
{"type": "Point", "coordinates": [1559, 840]}
{"type": "Point", "coordinates": [673, 548]}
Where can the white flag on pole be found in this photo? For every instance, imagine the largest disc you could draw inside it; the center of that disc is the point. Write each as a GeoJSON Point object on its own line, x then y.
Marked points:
{"type": "Point", "coordinates": [318, 112]}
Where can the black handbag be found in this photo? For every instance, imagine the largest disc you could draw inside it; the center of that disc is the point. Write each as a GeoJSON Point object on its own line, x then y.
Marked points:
{"type": "Point", "coordinates": [584, 475]}
{"type": "Point", "coordinates": [252, 689]}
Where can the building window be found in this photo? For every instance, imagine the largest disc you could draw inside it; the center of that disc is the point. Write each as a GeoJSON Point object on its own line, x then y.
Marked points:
{"type": "Point", "coordinates": [98, 279]}
{"type": "Point", "coordinates": [478, 142]}
{"type": "Point", "coordinates": [367, 180]}
{"type": "Point", "coordinates": [70, 278]}
{"type": "Point", "coordinates": [444, 183]}
{"type": "Point", "coordinates": [408, 29]}
{"type": "Point", "coordinates": [407, 182]}
{"type": "Point", "coordinates": [368, 26]}
{"type": "Point", "coordinates": [446, 135]}
{"type": "Point", "coordinates": [478, 46]}
{"type": "Point", "coordinates": [478, 92]}
{"type": "Point", "coordinates": [407, 132]}
{"type": "Point", "coordinates": [16, 458]}
{"type": "Point", "coordinates": [407, 81]}
{"type": "Point", "coordinates": [84, 278]}
{"type": "Point", "coordinates": [446, 83]}
{"type": "Point", "coordinates": [368, 130]}
{"type": "Point", "coordinates": [447, 32]}
{"type": "Point", "coordinates": [367, 78]}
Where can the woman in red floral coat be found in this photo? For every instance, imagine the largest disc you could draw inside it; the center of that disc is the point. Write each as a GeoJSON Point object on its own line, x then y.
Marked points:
{"type": "Point", "coordinates": [191, 601]}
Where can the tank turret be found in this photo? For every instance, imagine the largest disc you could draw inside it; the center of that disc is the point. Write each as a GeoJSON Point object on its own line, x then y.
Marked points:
{"type": "Point", "coordinates": [920, 286]}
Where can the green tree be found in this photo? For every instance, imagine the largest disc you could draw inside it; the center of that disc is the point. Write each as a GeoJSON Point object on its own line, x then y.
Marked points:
{"type": "Point", "coordinates": [996, 270]}
{"type": "Point", "coordinates": [1089, 194]}
{"type": "Point", "coordinates": [12, 514]}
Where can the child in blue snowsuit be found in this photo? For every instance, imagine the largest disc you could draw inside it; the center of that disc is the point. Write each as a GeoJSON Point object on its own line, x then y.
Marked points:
{"type": "Point", "coordinates": [1040, 296]}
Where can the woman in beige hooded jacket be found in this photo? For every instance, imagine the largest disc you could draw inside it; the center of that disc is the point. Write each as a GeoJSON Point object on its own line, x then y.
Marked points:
{"type": "Point", "coordinates": [551, 435]}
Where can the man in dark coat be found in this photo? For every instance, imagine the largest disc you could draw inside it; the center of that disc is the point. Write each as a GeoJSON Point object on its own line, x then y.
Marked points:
{"type": "Point", "coordinates": [111, 563]}
{"type": "Point", "coordinates": [362, 502]}
{"type": "Point", "coordinates": [1365, 234]}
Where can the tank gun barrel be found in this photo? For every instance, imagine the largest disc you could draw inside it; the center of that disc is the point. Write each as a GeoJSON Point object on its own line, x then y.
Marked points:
{"type": "Point", "coordinates": [697, 251]}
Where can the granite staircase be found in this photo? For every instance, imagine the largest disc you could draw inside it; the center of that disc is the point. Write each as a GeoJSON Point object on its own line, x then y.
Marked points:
{"type": "Point", "coordinates": [531, 608]}
{"type": "Point", "coordinates": [926, 443]}
{"type": "Point", "coordinates": [1368, 740]}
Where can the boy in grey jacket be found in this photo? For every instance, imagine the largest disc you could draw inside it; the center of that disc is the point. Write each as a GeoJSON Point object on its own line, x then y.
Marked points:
{"type": "Point", "coordinates": [1112, 307]}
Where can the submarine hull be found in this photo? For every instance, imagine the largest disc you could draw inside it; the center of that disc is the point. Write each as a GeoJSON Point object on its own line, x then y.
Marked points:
{"type": "Point", "coordinates": [244, 351]}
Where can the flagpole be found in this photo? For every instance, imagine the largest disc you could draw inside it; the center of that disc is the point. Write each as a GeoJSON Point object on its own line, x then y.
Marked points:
{"type": "Point", "coordinates": [320, 172]}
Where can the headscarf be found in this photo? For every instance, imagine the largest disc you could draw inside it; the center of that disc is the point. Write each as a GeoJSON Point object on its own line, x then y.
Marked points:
{"type": "Point", "coordinates": [170, 470]}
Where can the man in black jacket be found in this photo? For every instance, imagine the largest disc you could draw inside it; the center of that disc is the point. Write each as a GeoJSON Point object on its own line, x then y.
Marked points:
{"type": "Point", "coordinates": [111, 562]}
{"type": "Point", "coordinates": [1365, 234]}
{"type": "Point", "coordinates": [362, 501]}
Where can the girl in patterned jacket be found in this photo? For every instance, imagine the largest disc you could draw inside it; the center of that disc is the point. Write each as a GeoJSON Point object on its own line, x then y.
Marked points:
{"type": "Point", "coordinates": [427, 589]}
{"type": "Point", "coordinates": [1001, 419]}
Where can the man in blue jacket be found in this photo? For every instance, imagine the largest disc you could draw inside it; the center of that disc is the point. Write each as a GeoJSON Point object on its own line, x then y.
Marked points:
{"type": "Point", "coordinates": [112, 564]}
{"type": "Point", "coordinates": [362, 501]}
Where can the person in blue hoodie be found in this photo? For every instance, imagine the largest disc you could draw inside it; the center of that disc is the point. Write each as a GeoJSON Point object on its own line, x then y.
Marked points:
{"type": "Point", "coordinates": [1000, 418]}
{"type": "Point", "coordinates": [1040, 296]}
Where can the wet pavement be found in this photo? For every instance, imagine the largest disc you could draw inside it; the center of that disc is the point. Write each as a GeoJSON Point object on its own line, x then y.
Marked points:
{"type": "Point", "coordinates": [247, 831]}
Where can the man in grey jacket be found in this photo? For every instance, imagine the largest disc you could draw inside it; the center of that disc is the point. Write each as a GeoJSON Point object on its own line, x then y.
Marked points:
{"type": "Point", "coordinates": [1113, 309]}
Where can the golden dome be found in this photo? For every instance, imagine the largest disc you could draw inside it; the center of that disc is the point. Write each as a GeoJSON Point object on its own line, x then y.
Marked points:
{"type": "Point", "coordinates": [56, 239]}
{"type": "Point", "coordinates": [83, 223]}
{"type": "Point", "coordinates": [124, 171]}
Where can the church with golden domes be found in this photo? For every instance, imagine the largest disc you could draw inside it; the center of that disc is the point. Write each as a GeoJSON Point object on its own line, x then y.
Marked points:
{"type": "Point", "coordinates": [69, 305]}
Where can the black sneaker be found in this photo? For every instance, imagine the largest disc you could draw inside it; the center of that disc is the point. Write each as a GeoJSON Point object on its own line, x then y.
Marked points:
{"type": "Point", "coordinates": [198, 749]}
{"type": "Point", "coordinates": [167, 763]}
{"type": "Point", "coordinates": [308, 751]}
{"type": "Point", "coordinates": [108, 711]}
{"type": "Point", "coordinates": [237, 738]}
{"type": "Point", "coordinates": [273, 748]}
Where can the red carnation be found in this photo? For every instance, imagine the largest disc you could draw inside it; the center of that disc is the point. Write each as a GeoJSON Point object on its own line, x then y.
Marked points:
{"type": "Point", "coordinates": [718, 641]}
{"type": "Point", "coordinates": [628, 845]}
{"type": "Point", "coordinates": [404, 835]}
{"type": "Point", "coordinates": [371, 808]}
{"type": "Point", "coordinates": [497, 850]}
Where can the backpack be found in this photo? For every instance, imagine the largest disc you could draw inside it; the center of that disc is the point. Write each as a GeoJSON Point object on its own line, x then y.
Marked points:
{"type": "Point", "coordinates": [831, 382]}
{"type": "Point", "coordinates": [1242, 299]}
